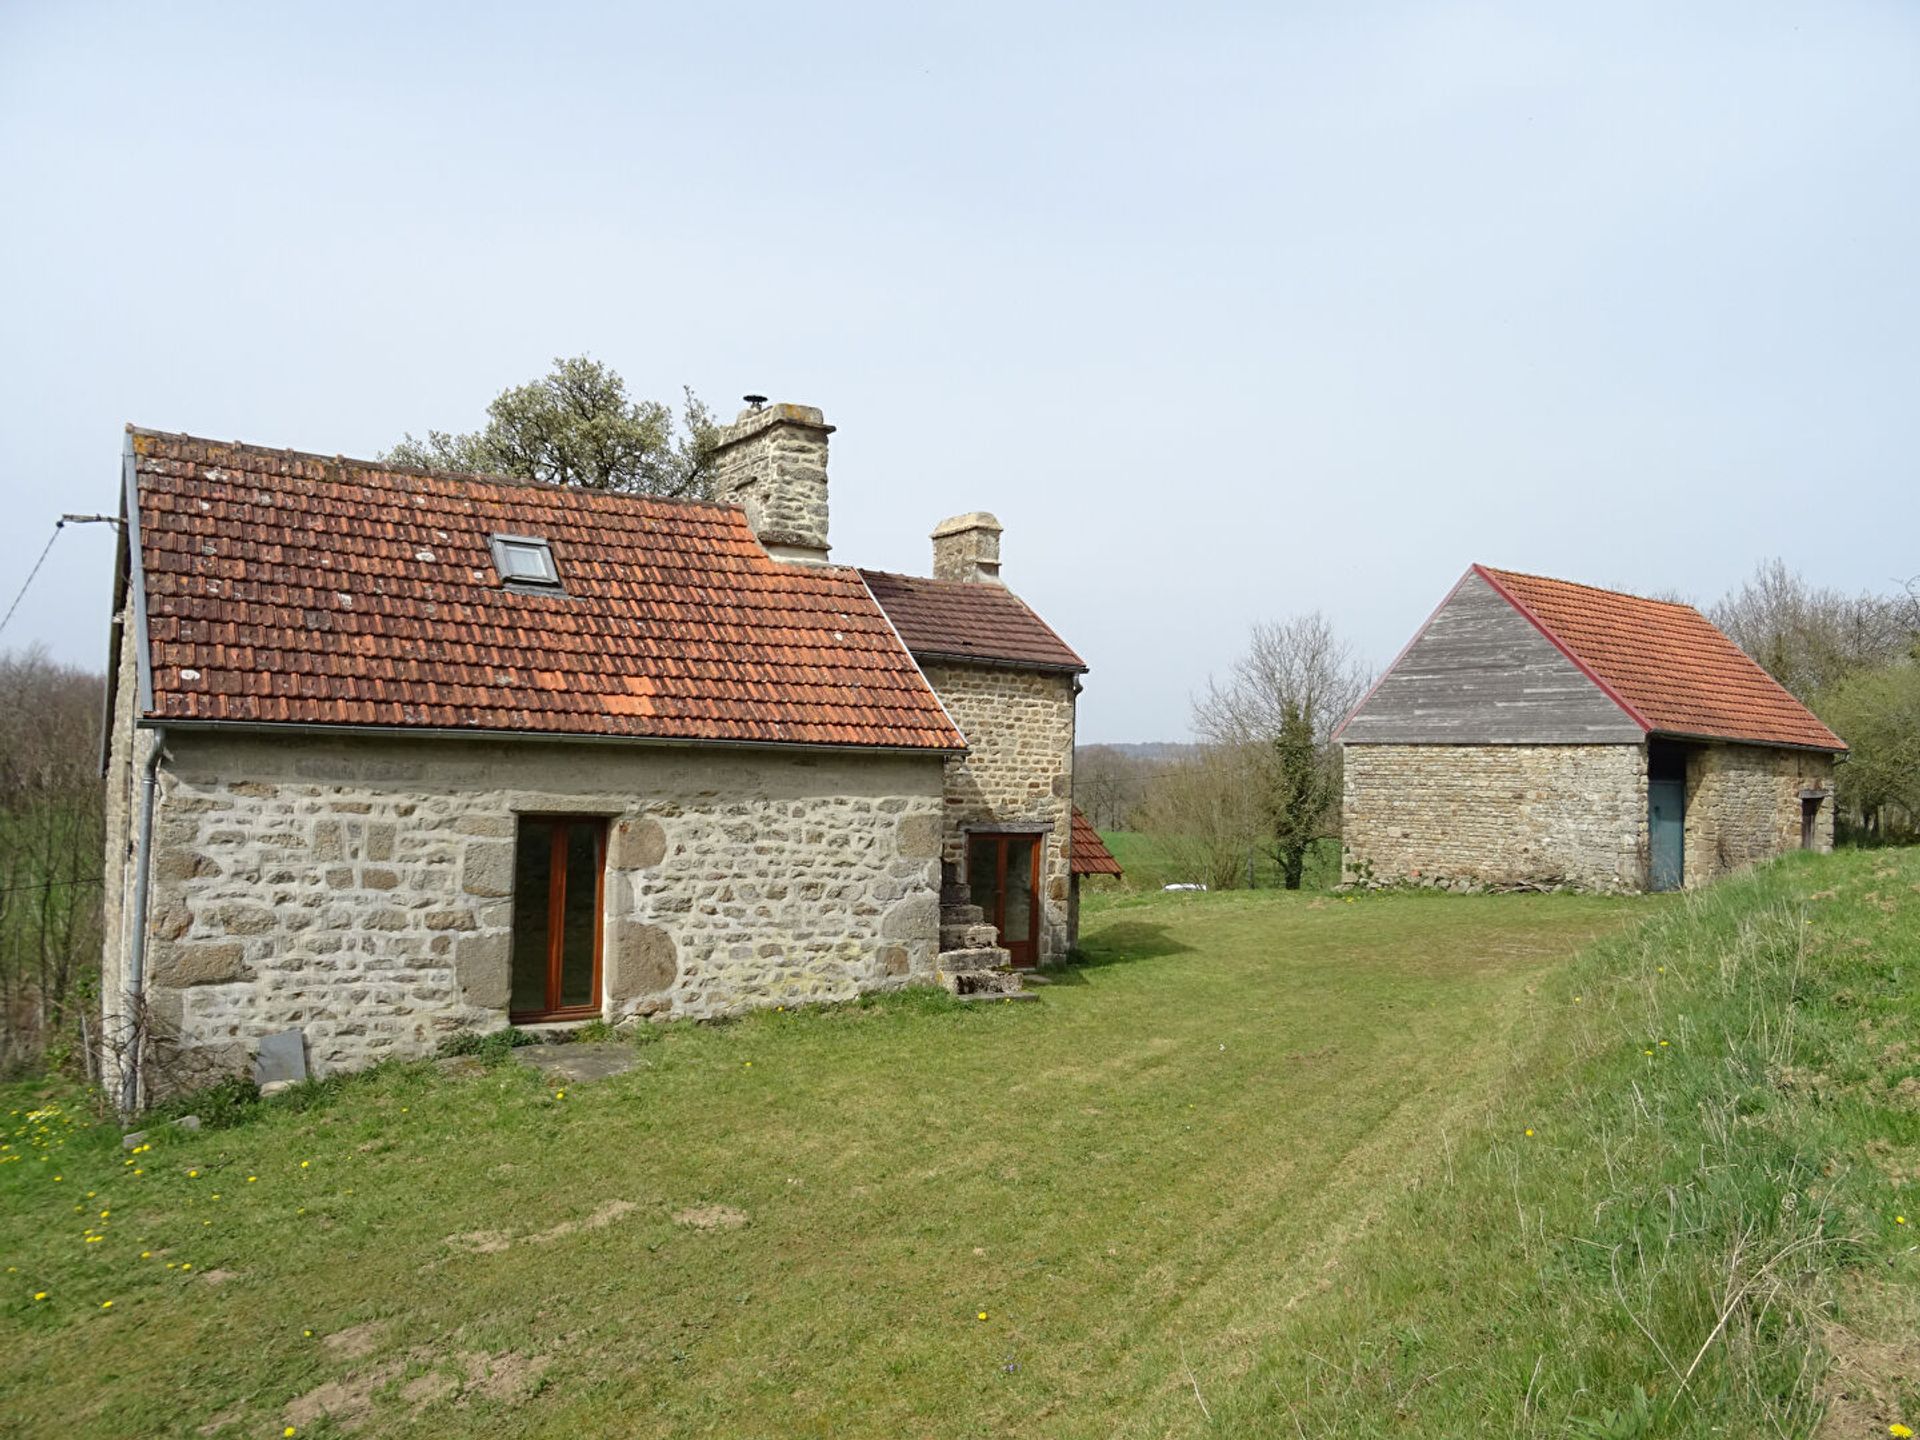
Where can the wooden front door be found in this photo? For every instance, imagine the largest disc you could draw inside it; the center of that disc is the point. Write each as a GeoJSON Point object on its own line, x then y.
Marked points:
{"type": "Point", "coordinates": [1003, 873]}
{"type": "Point", "coordinates": [558, 883]}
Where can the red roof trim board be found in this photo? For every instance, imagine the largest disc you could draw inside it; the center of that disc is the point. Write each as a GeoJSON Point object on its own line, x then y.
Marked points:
{"type": "Point", "coordinates": [1381, 678]}
{"type": "Point", "coordinates": [295, 591]}
{"type": "Point", "coordinates": [1668, 664]}
{"type": "Point", "coordinates": [1089, 854]}
{"type": "Point", "coordinates": [1492, 578]}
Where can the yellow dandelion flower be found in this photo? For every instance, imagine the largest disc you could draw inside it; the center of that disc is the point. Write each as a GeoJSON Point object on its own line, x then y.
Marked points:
{"type": "Point", "coordinates": [981, 1316]}
{"type": "Point", "coordinates": [106, 1304]}
{"type": "Point", "coordinates": [305, 1163]}
{"type": "Point", "coordinates": [105, 1213]}
{"type": "Point", "coordinates": [193, 1174]}
{"type": "Point", "coordinates": [289, 1431]}
{"type": "Point", "coordinates": [1576, 999]}
{"type": "Point", "coordinates": [1898, 1429]}
{"type": "Point", "coordinates": [252, 1178]}
{"type": "Point", "coordinates": [1899, 1219]}
{"type": "Point", "coordinates": [1529, 1132]}
{"type": "Point", "coordinates": [146, 1254]}
{"type": "Point", "coordinates": [186, 1265]}
{"type": "Point", "coordinates": [559, 1094]}
{"type": "Point", "coordinates": [307, 1333]}
{"type": "Point", "coordinates": [39, 1295]}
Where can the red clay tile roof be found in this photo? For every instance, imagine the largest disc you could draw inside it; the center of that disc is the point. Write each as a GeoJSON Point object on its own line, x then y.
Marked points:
{"type": "Point", "coordinates": [1665, 663]}
{"type": "Point", "coordinates": [1089, 854]}
{"type": "Point", "coordinates": [959, 620]}
{"type": "Point", "coordinates": [299, 589]}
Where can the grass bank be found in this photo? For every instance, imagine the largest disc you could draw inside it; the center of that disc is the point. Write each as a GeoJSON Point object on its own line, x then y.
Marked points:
{"type": "Point", "coordinates": [1689, 1209]}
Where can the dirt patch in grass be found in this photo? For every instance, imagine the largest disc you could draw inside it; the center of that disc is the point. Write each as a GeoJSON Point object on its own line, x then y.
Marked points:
{"type": "Point", "coordinates": [711, 1217]}
{"type": "Point", "coordinates": [1870, 1384]}
{"type": "Point", "coordinates": [356, 1341]}
{"type": "Point", "coordinates": [348, 1403]}
{"type": "Point", "coordinates": [492, 1242]}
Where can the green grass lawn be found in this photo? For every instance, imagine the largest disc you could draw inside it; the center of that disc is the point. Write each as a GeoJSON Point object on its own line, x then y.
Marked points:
{"type": "Point", "coordinates": [1258, 1167]}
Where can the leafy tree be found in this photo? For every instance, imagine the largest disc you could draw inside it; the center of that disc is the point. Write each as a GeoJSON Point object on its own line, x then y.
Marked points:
{"type": "Point", "coordinates": [1877, 712]}
{"type": "Point", "coordinates": [576, 426]}
{"type": "Point", "coordinates": [1809, 637]}
{"type": "Point", "coordinates": [1277, 713]}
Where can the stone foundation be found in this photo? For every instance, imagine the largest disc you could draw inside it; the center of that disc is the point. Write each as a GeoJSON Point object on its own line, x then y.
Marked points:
{"type": "Point", "coordinates": [361, 890]}
{"type": "Point", "coordinates": [1474, 816]}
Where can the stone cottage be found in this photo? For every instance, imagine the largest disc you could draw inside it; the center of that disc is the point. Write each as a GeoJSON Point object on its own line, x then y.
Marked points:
{"type": "Point", "coordinates": [396, 752]}
{"type": "Point", "coordinates": [1538, 732]}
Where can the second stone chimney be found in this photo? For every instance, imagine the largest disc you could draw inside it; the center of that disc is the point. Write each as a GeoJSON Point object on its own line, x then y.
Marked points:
{"type": "Point", "coordinates": [772, 462]}
{"type": "Point", "coordinates": [967, 547]}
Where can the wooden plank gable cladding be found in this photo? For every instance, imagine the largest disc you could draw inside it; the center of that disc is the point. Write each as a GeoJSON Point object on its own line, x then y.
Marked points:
{"type": "Point", "coordinates": [1481, 673]}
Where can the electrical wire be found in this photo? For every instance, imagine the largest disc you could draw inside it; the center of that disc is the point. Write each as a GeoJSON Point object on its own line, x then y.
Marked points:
{"type": "Point", "coordinates": [58, 526]}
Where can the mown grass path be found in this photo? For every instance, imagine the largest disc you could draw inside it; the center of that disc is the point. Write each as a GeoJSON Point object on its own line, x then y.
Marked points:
{"type": "Point", "coordinates": [1130, 1180]}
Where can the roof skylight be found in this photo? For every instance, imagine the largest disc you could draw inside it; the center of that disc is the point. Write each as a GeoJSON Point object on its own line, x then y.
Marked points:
{"type": "Point", "coordinates": [525, 560]}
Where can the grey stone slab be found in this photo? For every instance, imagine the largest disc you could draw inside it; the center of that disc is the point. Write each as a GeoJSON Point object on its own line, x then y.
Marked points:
{"type": "Point", "coordinates": [577, 1064]}
{"type": "Point", "coordinates": [280, 1057]}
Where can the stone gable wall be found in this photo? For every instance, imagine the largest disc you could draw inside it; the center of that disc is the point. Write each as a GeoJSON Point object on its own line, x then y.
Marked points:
{"type": "Point", "coordinates": [1018, 769]}
{"type": "Point", "coordinates": [1743, 806]}
{"type": "Point", "coordinates": [361, 890]}
{"type": "Point", "coordinates": [1480, 815]}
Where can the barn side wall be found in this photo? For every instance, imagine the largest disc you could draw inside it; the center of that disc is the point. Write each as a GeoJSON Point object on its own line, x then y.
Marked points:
{"type": "Point", "coordinates": [1018, 770]}
{"type": "Point", "coordinates": [361, 890]}
{"type": "Point", "coordinates": [1743, 806]}
{"type": "Point", "coordinates": [1489, 815]}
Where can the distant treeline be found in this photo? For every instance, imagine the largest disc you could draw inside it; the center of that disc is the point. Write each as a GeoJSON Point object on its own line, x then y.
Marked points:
{"type": "Point", "coordinates": [50, 859]}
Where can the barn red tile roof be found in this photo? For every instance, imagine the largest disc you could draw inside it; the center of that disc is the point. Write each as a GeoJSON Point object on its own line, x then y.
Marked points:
{"type": "Point", "coordinates": [959, 620]}
{"type": "Point", "coordinates": [300, 589]}
{"type": "Point", "coordinates": [1089, 854]}
{"type": "Point", "coordinates": [1666, 663]}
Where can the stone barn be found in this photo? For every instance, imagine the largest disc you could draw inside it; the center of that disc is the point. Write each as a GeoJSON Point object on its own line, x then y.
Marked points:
{"type": "Point", "coordinates": [1539, 732]}
{"type": "Point", "coordinates": [397, 752]}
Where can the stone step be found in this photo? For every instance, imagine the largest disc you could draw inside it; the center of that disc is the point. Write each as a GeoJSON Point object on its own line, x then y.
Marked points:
{"type": "Point", "coordinates": [994, 984]}
{"type": "Point", "coordinates": [970, 936]}
{"type": "Point", "coordinates": [961, 914]}
{"type": "Point", "coordinates": [987, 997]}
{"type": "Point", "coordinates": [955, 894]}
{"type": "Point", "coordinates": [979, 957]}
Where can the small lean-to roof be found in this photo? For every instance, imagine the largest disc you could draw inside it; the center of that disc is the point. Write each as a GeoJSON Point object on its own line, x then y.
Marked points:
{"type": "Point", "coordinates": [1089, 854]}
{"type": "Point", "coordinates": [296, 589]}
{"type": "Point", "coordinates": [1664, 663]}
{"type": "Point", "coordinates": [963, 620]}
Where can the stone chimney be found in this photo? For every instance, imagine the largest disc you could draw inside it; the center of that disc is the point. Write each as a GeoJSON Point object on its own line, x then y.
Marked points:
{"type": "Point", "coordinates": [772, 462]}
{"type": "Point", "coordinates": [967, 547]}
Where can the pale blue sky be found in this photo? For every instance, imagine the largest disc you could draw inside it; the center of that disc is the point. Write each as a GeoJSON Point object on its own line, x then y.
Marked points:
{"type": "Point", "coordinates": [1228, 312]}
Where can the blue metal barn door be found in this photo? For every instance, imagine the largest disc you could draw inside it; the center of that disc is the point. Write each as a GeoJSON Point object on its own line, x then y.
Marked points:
{"type": "Point", "coordinates": [1667, 825]}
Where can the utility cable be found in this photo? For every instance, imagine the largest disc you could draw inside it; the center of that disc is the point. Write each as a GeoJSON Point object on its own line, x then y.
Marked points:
{"type": "Point", "coordinates": [58, 526]}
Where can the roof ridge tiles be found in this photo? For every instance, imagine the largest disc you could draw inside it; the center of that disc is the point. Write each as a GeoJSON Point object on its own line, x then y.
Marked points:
{"type": "Point", "coordinates": [424, 472]}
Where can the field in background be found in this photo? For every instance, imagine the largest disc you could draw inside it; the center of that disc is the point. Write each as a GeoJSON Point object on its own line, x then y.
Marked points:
{"type": "Point", "coordinates": [1149, 867]}
{"type": "Point", "coordinates": [1267, 1164]}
